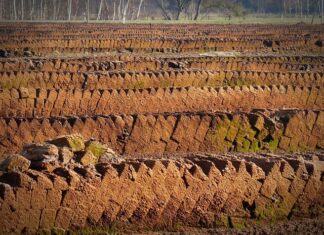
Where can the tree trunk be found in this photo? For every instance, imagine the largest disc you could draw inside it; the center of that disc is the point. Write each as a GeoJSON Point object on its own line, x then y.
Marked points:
{"type": "Point", "coordinates": [107, 8]}
{"type": "Point", "coordinates": [322, 10]}
{"type": "Point", "coordinates": [178, 14]}
{"type": "Point", "coordinates": [180, 7]}
{"type": "Point", "coordinates": [284, 7]}
{"type": "Point", "coordinates": [41, 10]}
{"type": "Point", "coordinates": [76, 8]}
{"type": "Point", "coordinates": [1, 11]}
{"type": "Point", "coordinates": [58, 10]}
{"type": "Point", "coordinates": [139, 9]}
{"type": "Point", "coordinates": [88, 11]}
{"type": "Point", "coordinates": [114, 16]}
{"type": "Point", "coordinates": [119, 9]}
{"type": "Point", "coordinates": [45, 10]}
{"type": "Point", "coordinates": [69, 9]}
{"type": "Point", "coordinates": [22, 9]}
{"type": "Point", "coordinates": [125, 11]}
{"type": "Point", "coordinates": [32, 10]}
{"type": "Point", "coordinates": [197, 10]}
{"type": "Point", "coordinates": [100, 8]}
{"type": "Point", "coordinates": [164, 11]}
{"type": "Point", "coordinates": [15, 9]}
{"type": "Point", "coordinates": [54, 9]}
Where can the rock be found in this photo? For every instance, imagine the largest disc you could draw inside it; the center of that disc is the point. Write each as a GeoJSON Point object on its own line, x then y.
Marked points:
{"type": "Point", "coordinates": [28, 54]}
{"type": "Point", "coordinates": [3, 53]}
{"type": "Point", "coordinates": [101, 152]}
{"type": "Point", "coordinates": [88, 159]}
{"type": "Point", "coordinates": [97, 148]}
{"type": "Point", "coordinates": [24, 93]}
{"type": "Point", "coordinates": [56, 52]}
{"type": "Point", "coordinates": [110, 157]}
{"type": "Point", "coordinates": [40, 152]}
{"type": "Point", "coordinates": [75, 142]}
{"type": "Point", "coordinates": [174, 65]}
{"type": "Point", "coordinates": [57, 231]}
{"type": "Point", "coordinates": [49, 166]}
{"type": "Point", "coordinates": [267, 43]}
{"type": "Point", "coordinates": [43, 231]}
{"type": "Point", "coordinates": [65, 155]}
{"type": "Point", "coordinates": [319, 43]}
{"type": "Point", "coordinates": [259, 123]}
{"type": "Point", "coordinates": [15, 162]}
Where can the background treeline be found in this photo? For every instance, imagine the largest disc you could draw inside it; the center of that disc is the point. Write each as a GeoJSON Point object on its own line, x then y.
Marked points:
{"type": "Point", "coordinates": [128, 10]}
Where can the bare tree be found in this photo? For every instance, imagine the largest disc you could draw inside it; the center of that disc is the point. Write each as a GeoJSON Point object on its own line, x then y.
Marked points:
{"type": "Point", "coordinates": [1, 10]}
{"type": "Point", "coordinates": [69, 9]}
{"type": "Point", "coordinates": [100, 8]}
{"type": "Point", "coordinates": [125, 11]}
{"type": "Point", "coordinates": [32, 8]}
{"type": "Point", "coordinates": [54, 9]}
{"type": "Point", "coordinates": [41, 10]}
{"type": "Point", "coordinates": [181, 4]}
{"type": "Point", "coordinates": [165, 13]}
{"type": "Point", "coordinates": [198, 5]}
{"type": "Point", "coordinates": [22, 9]}
{"type": "Point", "coordinates": [114, 16]}
{"type": "Point", "coordinates": [15, 9]}
{"type": "Point", "coordinates": [119, 9]}
{"type": "Point", "coordinates": [88, 10]}
{"type": "Point", "coordinates": [139, 9]}
{"type": "Point", "coordinates": [107, 7]}
{"type": "Point", "coordinates": [322, 10]}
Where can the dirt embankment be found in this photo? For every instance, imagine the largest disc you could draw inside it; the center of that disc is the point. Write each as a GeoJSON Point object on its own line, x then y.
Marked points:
{"type": "Point", "coordinates": [182, 132]}
{"type": "Point", "coordinates": [220, 129]}
{"type": "Point", "coordinates": [61, 184]}
{"type": "Point", "coordinates": [29, 102]}
{"type": "Point", "coordinates": [156, 79]}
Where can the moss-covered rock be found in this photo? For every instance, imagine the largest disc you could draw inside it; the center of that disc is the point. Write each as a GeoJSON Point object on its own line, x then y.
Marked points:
{"type": "Point", "coordinates": [88, 158]}
{"type": "Point", "coordinates": [273, 144]}
{"type": "Point", "coordinates": [57, 231]}
{"type": "Point", "coordinates": [96, 148]}
{"type": "Point", "coordinates": [15, 162]}
{"type": "Point", "coordinates": [75, 142]}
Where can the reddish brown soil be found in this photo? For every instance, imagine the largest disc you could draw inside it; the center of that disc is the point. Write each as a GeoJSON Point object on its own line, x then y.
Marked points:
{"type": "Point", "coordinates": [180, 103]}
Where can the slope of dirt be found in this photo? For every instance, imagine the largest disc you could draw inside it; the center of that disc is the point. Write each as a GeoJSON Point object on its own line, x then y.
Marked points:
{"type": "Point", "coordinates": [202, 128]}
{"type": "Point", "coordinates": [67, 183]}
{"type": "Point", "coordinates": [257, 131]}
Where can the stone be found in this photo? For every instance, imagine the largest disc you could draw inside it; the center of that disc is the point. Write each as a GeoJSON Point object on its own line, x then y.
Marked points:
{"type": "Point", "coordinates": [96, 148]}
{"type": "Point", "coordinates": [259, 123]}
{"type": "Point", "coordinates": [39, 152]}
{"type": "Point", "coordinates": [3, 53]}
{"type": "Point", "coordinates": [63, 218]}
{"type": "Point", "coordinates": [7, 193]}
{"type": "Point", "coordinates": [75, 142]}
{"type": "Point", "coordinates": [16, 179]}
{"type": "Point", "coordinates": [28, 53]}
{"type": "Point", "coordinates": [47, 218]}
{"type": "Point", "coordinates": [88, 159]}
{"type": "Point", "coordinates": [65, 155]}
{"type": "Point", "coordinates": [15, 162]}
{"type": "Point", "coordinates": [46, 165]}
{"type": "Point", "coordinates": [24, 93]}
{"type": "Point", "coordinates": [110, 157]}
{"type": "Point", "coordinates": [57, 231]}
